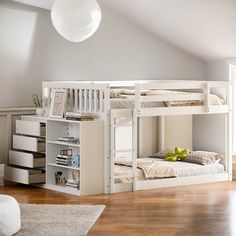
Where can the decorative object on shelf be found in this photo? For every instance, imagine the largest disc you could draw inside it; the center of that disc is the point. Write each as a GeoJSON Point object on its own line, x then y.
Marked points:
{"type": "Point", "coordinates": [38, 102]}
{"type": "Point", "coordinates": [75, 161]}
{"type": "Point", "coordinates": [79, 116]}
{"type": "Point", "coordinates": [59, 180]}
{"type": "Point", "coordinates": [76, 20]}
{"type": "Point", "coordinates": [58, 103]}
{"type": "Point", "coordinates": [66, 152]}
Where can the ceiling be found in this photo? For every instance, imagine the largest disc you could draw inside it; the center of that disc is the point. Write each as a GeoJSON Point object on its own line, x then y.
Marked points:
{"type": "Point", "coordinates": [205, 28]}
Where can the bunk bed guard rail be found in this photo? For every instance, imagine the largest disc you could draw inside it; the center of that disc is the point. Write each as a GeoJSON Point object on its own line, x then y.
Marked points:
{"type": "Point", "coordinates": [81, 97]}
{"type": "Point", "coordinates": [197, 90]}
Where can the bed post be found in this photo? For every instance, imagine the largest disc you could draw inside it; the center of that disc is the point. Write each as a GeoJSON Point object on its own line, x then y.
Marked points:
{"type": "Point", "coordinates": [161, 135]}
{"type": "Point", "coordinates": [135, 148]}
{"type": "Point", "coordinates": [229, 123]}
{"type": "Point", "coordinates": [136, 114]}
{"type": "Point", "coordinates": [107, 138]}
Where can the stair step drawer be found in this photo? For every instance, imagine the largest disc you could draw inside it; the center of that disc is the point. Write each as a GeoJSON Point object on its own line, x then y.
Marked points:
{"type": "Point", "coordinates": [30, 160]}
{"type": "Point", "coordinates": [32, 128]}
{"type": "Point", "coordinates": [29, 143]}
{"type": "Point", "coordinates": [24, 176]}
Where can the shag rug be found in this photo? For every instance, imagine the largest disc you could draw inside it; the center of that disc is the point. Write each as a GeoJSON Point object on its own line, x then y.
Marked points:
{"type": "Point", "coordinates": [58, 220]}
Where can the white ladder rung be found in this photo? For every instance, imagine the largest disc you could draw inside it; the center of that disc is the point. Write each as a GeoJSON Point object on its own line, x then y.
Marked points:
{"type": "Point", "coordinates": [125, 125]}
{"type": "Point", "coordinates": [124, 150]}
{"type": "Point", "coordinates": [123, 176]}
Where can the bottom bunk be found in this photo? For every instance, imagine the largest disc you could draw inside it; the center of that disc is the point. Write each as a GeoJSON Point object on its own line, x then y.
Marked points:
{"type": "Point", "coordinates": [156, 173]}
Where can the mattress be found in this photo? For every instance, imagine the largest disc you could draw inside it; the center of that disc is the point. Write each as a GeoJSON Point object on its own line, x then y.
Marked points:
{"type": "Point", "coordinates": [183, 169]}
{"type": "Point", "coordinates": [127, 101]}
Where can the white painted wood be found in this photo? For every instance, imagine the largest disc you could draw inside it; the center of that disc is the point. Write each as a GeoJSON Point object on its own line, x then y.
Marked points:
{"type": "Point", "coordinates": [185, 110]}
{"type": "Point", "coordinates": [28, 143]}
{"type": "Point", "coordinates": [90, 149]}
{"type": "Point", "coordinates": [102, 104]}
{"type": "Point", "coordinates": [123, 187]}
{"type": "Point", "coordinates": [26, 159]}
{"type": "Point", "coordinates": [92, 157]}
{"type": "Point", "coordinates": [135, 148]}
{"type": "Point", "coordinates": [172, 97]}
{"type": "Point", "coordinates": [32, 128]}
{"type": "Point", "coordinates": [7, 127]}
{"type": "Point", "coordinates": [62, 189]}
{"type": "Point", "coordinates": [172, 182]}
{"type": "Point", "coordinates": [24, 176]}
{"type": "Point", "coordinates": [112, 151]}
{"type": "Point", "coordinates": [170, 84]}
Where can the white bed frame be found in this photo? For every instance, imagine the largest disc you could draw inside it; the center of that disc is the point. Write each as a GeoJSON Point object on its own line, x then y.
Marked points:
{"type": "Point", "coordinates": [94, 97]}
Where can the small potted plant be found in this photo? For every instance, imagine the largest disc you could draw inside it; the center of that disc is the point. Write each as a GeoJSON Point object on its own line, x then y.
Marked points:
{"type": "Point", "coordinates": [38, 102]}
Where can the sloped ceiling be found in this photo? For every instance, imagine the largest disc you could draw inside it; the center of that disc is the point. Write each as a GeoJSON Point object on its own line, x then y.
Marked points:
{"type": "Point", "coordinates": [205, 28]}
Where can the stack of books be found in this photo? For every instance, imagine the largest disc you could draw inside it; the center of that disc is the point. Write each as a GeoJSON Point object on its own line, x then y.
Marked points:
{"type": "Point", "coordinates": [73, 179]}
{"type": "Point", "coordinates": [79, 116]}
{"type": "Point", "coordinates": [73, 184]}
{"type": "Point", "coordinates": [63, 160]}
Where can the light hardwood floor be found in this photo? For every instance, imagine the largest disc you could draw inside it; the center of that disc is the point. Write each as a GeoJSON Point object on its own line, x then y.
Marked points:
{"type": "Point", "coordinates": [200, 210]}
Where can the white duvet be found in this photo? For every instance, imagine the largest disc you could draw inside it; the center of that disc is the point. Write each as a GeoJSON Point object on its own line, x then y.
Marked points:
{"type": "Point", "coordinates": [180, 168]}
{"type": "Point", "coordinates": [126, 99]}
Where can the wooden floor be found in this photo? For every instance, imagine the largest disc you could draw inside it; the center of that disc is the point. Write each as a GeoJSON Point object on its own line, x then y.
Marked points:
{"type": "Point", "coordinates": [208, 209]}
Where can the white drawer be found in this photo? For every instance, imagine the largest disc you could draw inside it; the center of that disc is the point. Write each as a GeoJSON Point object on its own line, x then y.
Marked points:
{"type": "Point", "coordinates": [26, 159]}
{"type": "Point", "coordinates": [32, 128]}
{"type": "Point", "coordinates": [24, 176]}
{"type": "Point", "coordinates": [29, 143]}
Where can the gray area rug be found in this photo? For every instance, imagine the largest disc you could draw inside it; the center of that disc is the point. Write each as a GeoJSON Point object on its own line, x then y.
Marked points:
{"type": "Point", "coordinates": [58, 220]}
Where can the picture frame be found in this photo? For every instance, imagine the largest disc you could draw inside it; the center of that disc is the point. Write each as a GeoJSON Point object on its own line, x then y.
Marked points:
{"type": "Point", "coordinates": [57, 107]}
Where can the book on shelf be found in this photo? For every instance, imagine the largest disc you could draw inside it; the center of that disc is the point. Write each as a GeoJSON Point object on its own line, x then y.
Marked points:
{"type": "Point", "coordinates": [77, 186]}
{"type": "Point", "coordinates": [68, 139]}
{"type": "Point", "coordinates": [64, 157]}
{"type": "Point", "coordinates": [63, 163]}
{"type": "Point", "coordinates": [73, 183]}
{"type": "Point", "coordinates": [79, 116]}
{"type": "Point", "coordinates": [63, 160]}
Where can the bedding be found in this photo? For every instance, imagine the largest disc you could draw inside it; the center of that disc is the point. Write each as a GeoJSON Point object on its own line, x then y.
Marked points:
{"type": "Point", "coordinates": [124, 98]}
{"type": "Point", "coordinates": [181, 169]}
{"type": "Point", "coordinates": [197, 157]}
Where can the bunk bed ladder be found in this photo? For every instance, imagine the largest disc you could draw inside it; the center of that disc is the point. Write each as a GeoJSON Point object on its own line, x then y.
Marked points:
{"type": "Point", "coordinates": [133, 150]}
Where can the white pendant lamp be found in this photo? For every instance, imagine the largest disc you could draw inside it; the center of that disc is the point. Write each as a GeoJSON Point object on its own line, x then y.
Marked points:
{"type": "Point", "coordinates": [76, 20]}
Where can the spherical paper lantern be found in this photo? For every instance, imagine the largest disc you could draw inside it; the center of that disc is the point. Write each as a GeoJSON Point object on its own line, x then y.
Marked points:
{"type": "Point", "coordinates": [76, 20]}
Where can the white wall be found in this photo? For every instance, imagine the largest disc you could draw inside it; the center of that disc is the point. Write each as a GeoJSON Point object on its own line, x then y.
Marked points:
{"type": "Point", "coordinates": [178, 131]}
{"type": "Point", "coordinates": [209, 129]}
{"type": "Point", "coordinates": [217, 70]}
{"type": "Point", "coordinates": [31, 51]}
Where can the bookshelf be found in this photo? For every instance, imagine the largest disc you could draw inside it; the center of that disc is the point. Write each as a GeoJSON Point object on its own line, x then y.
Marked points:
{"type": "Point", "coordinates": [89, 149]}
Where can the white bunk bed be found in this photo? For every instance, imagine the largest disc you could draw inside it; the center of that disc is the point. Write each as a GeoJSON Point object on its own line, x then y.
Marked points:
{"type": "Point", "coordinates": [125, 110]}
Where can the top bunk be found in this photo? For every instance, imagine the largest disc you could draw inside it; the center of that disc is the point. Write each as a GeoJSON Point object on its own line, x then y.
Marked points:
{"type": "Point", "coordinates": [148, 98]}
